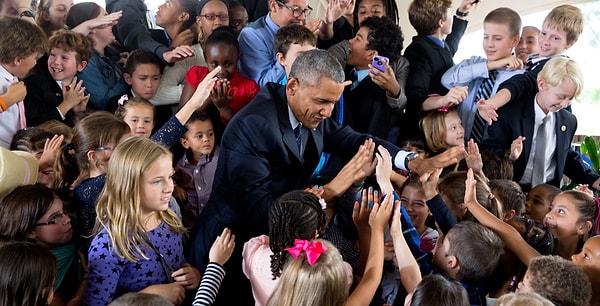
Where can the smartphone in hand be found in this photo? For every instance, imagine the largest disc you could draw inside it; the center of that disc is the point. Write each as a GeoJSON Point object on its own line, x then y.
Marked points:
{"type": "Point", "coordinates": [378, 62]}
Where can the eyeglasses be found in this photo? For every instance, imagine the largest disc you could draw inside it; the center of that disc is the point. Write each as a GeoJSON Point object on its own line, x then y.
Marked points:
{"type": "Point", "coordinates": [213, 17]}
{"type": "Point", "coordinates": [54, 219]}
{"type": "Point", "coordinates": [296, 10]}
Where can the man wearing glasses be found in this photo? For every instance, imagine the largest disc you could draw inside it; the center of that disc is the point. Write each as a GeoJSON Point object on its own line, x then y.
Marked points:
{"type": "Point", "coordinates": [257, 40]}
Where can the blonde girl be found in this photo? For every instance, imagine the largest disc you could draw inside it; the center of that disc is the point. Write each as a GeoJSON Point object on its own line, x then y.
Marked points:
{"type": "Point", "coordinates": [138, 246]}
{"type": "Point", "coordinates": [80, 165]}
{"type": "Point", "coordinates": [443, 129]}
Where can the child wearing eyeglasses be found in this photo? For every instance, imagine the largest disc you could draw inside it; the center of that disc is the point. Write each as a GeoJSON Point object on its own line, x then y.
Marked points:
{"type": "Point", "coordinates": [34, 213]}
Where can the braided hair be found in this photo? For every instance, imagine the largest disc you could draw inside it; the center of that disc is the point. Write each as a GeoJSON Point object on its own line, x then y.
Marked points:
{"type": "Point", "coordinates": [295, 215]}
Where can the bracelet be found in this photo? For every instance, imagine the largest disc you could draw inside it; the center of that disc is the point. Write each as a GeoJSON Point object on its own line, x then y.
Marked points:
{"type": "Point", "coordinates": [2, 104]}
{"type": "Point", "coordinates": [461, 14]}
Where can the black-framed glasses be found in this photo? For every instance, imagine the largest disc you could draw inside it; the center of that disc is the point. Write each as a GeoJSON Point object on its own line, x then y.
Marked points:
{"type": "Point", "coordinates": [214, 17]}
{"type": "Point", "coordinates": [296, 10]}
{"type": "Point", "coordinates": [54, 219]}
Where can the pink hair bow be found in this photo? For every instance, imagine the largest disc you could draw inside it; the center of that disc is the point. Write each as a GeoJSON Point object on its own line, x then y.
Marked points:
{"type": "Point", "coordinates": [313, 249]}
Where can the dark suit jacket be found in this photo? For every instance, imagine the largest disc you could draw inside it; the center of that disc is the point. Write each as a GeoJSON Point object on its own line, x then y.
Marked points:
{"type": "Point", "coordinates": [368, 108]}
{"type": "Point", "coordinates": [258, 162]}
{"type": "Point", "coordinates": [517, 119]}
{"type": "Point", "coordinates": [428, 62]}
{"type": "Point", "coordinates": [43, 96]}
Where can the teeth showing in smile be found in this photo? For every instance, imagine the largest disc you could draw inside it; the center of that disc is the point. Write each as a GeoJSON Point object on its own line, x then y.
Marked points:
{"type": "Point", "coordinates": [57, 70]}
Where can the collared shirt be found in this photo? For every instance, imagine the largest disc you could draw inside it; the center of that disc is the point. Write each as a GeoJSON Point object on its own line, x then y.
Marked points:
{"type": "Point", "coordinates": [294, 123]}
{"type": "Point", "coordinates": [473, 72]}
{"type": "Point", "coordinates": [550, 162]}
{"type": "Point", "coordinates": [258, 61]}
{"type": "Point", "coordinates": [437, 41]}
{"type": "Point", "coordinates": [197, 181]}
{"type": "Point", "coordinates": [360, 75]}
{"type": "Point", "coordinates": [9, 119]}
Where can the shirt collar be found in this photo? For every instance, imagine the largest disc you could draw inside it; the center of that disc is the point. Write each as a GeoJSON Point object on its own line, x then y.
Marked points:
{"type": "Point", "coordinates": [539, 113]}
{"type": "Point", "coordinates": [437, 41]}
{"type": "Point", "coordinates": [7, 75]}
{"type": "Point", "coordinates": [293, 121]}
{"type": "Point", "coordinates": [361, 74]}
{"type": "Point", "coordinates": [271, 24]}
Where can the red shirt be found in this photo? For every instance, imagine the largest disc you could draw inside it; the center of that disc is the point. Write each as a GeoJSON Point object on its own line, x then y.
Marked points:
{"type": "Point", "coordinates": [244, 89]}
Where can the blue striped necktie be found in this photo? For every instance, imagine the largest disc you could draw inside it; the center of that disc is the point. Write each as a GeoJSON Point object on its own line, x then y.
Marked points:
{"type": "Point", "coordinates": [298, 134]}
{"type": "Point", "coordinates": [484, 92]}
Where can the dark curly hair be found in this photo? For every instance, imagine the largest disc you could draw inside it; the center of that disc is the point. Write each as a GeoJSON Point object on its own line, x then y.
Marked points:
{"type": "Point", "coordinates": [295, 215]}
{"type": "Point", "coordinates": [385, 36]}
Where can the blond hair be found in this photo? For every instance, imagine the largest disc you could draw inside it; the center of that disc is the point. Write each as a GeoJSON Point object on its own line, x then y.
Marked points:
{"type": "Point", "coordinates": [434, 127]}
{"type": "Point", "coordinates": [523, 299]}
{"type": "Point", "coordinates": [559, 69]}
{"type": "Point", "coordinates": [568, 18]}
{"type": "Point", "coordinates": [323, 283]}
{"type": "Point", "coordinates": [119, 205]}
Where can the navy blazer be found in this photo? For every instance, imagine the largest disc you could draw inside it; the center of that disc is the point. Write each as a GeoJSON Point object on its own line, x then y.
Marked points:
{"type": "Point", "coordinates": [258, 162]}
{"type": "Point", "coordinates": [516, 119]}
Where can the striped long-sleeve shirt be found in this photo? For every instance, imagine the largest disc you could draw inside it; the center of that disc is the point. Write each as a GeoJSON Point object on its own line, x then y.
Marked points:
{"type": "Point", "coordinates": [209, 286]}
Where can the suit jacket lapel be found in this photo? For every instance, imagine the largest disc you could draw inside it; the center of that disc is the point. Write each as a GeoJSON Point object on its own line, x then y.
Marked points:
{"type": "Point", "coordinates": [285, 127]}
{"type": "Point", "coordinates": [562, 137]}
{"type": "Point", "coordinates": [527, 126]}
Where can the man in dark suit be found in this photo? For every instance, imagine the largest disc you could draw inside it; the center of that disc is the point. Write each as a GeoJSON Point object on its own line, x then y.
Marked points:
{"type": "Point", "coordinates": [272, 146]}
{"type": "Point", "coordinates": [520, 123]}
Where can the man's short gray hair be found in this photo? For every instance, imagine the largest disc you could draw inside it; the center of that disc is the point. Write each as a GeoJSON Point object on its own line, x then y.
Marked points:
{"type": "Point", "coordinates": [313, 65]}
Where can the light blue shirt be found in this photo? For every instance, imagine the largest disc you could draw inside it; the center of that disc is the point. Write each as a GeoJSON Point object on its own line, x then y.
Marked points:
{"type": "Point", "coordinates": [472, 72]}
{"type": "Point", "coordinates": [257, 48]}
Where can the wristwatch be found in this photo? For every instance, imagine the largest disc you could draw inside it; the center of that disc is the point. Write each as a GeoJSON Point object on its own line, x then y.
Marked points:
{"type": "Point", "coordinates": [27, 13]}
{"type": "Point", "coordinates": [408, 158]}
{"type": "Point", "coordinates": [461, 14]}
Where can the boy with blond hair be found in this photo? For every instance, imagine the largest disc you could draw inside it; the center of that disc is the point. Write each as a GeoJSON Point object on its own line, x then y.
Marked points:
{"type": "Point", "coordinates": [21, 43]}
{"type": "Point", "coordinates": [560, 31]}
{"type": "Point", "coordinates": [483, 75]}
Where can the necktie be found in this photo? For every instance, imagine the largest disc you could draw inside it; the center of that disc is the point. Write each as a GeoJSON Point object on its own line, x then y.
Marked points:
{"type": "Point", "coordinates": [298, 135]}
{"type": "Point", "coordinates": [21, 107]}
{"type": "Point", "coordinates": [354, 79]}
{"type": "Point", "coordinates": [539, 159]}
{"type": "Point", "coordinates": [484, 92]}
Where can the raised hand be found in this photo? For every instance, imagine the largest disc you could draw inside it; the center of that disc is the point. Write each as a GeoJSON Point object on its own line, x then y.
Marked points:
{"type": "Point", "coordinates": [386, 80]}
{"type": "Point", "coordinates": [380, 215]}
{"type": "Point", "coordinates": [429, 180]}
{"type": "Point", "coordinates": [510, 62]}
{"type": "Point", "coordinates": [473, 158]}
{"type": "Point", "coordinates": [455, 96]}
{"type": "Point", "coordinates": [362, 211]}
{"type": "Point", "coordinates": [487, 111]}
{"type": "Point", "coordinates": [178, 54]}
{"type": "Point", "coordinates": [445, 159]}
{"type": "Point", "coordinates": [222, 247]}
{"type": "Point", "coordinates": [383, 170]}
{"type": "Point", "coordinates": [16, 93]}
{"type": "Point", "coordinates": [51, 147]}
{"type": "Point", "coordinates": [73, 95]}
{"type": "Point", "coordinates": [516, 148]}
{"type": "Point", "coordinates": [183, 38]}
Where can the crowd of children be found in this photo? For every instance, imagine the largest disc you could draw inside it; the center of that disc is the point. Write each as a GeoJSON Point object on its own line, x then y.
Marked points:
{"type": "Point", "coordinates": [110, 144]}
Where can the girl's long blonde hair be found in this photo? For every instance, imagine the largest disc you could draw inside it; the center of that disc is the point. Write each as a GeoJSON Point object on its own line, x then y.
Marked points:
{"type": "Point", "coordinates": [119, 206]}
{"type": "Point", "coordinates": [323, 283]}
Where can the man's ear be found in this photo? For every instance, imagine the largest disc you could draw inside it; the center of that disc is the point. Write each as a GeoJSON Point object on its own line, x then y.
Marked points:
{"type": "Point", "coordinates": [127, 78]}
{"type": "Point", "coordinates": [292, 85]}
{"type": "Point", "coordinates": [273, 5]}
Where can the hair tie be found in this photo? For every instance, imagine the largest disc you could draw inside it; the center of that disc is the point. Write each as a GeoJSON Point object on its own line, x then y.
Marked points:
{"type": "Point", "coordinates": [313, 249]}
{"type": "Point", "coordinates": [597, 199]}
{"type": "Point", "coordinates": [69, 146]}
{"type": "Point", "coordinates": [444, 109]}
{"type": "Point", "coordinates": [122, 99]}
